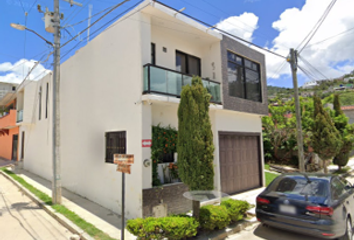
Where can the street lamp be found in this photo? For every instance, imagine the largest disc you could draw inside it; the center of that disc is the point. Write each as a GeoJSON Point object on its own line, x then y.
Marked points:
{"type": "Point", "coordinates": [21, 27]}
{"type": "Point", "coordinates": [56, 183]}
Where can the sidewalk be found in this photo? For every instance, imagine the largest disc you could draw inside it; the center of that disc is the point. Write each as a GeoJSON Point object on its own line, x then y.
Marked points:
{"type": "Point", "coordinates": [102, 218]}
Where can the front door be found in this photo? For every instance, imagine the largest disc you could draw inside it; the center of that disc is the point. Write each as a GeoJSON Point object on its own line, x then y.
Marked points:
{"type": "Point", "coordinates": [14, 146]}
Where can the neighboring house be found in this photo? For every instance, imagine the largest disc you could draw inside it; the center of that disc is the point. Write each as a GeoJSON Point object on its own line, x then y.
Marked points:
{"type": "Point", "coordinates": [6, 88]}
{"type": "Point", "coordinates": [310, 85]}
{"type": "Point", "coordinates": [8, 128]}
{"type": "Point", "coordinates": [349, 112]}
{"type": "Point", "coordinates": [128, 79]}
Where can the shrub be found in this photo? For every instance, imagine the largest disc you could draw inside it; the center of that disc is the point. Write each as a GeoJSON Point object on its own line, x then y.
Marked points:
{"type": "Point", "coordinates": [236, 208]}
{"type": "Point", "coordinates": [212, 217]}
{"type": "Point", "coordinates": [173, 227]}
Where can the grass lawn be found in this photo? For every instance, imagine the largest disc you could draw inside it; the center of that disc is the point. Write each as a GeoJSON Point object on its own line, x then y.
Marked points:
{"type": "Point", "coordinates": [269, 177]}
{"type": "Point", "coordinates": [266, 166]}
{"type": "Point", "coordinates": [343, 170]}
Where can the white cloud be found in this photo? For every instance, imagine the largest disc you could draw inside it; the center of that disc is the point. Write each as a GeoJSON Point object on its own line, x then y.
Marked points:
{"type": "Point", "coordinates": [15, 73]}
{"type": "Point", "coordinates": [242, 26]}
{"type": "Point", "coordinates": [328, 56]}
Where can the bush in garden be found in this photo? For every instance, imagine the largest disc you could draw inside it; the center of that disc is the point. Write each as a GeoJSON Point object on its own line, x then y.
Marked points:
{"type": "Point", "coordinates": [212, 217]}
{"type": "Point", "coordinates": [236, 208]}
{"type": "Point", "coordinates": [173, 227]}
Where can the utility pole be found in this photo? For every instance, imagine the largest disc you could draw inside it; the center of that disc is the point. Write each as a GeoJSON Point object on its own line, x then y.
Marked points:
{"type": "Point", "coordinates": [52, 20]}
{"type": "Point", "coordinates": [293, 65]}
{"type": "Point", "coordinates": [56, 184]}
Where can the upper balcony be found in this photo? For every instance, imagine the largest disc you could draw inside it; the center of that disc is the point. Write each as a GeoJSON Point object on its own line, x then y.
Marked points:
{"type": "Point", "coordinates": [168, 82]}
{"type": "Point", "coordinates": [9, 120]}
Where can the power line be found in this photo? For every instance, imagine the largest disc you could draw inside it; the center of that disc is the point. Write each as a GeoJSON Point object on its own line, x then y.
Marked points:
{"type": "Point", "coordinates": [117, 16]}
{"type": "Point", "coordinates": [116, 6]}
{"type": "Point", "coordinates": [71, 25]}
{"type": "Point", "coordinates": [317, 26]}
{"type": "Point", "coordinates": [310, 65]}
{"type": "Point", "coordinates": [32, 6]}
{"type": "Point", "coordinates": [222, 31]}
{"type": "Point", "coordinates": [80, 9]}
{"type": "Point", "coordinates": [350, 29]}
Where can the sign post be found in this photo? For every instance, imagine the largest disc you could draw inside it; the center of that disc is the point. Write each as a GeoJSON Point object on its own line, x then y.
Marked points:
{"type": "Point", "coordinates": [124, 162]}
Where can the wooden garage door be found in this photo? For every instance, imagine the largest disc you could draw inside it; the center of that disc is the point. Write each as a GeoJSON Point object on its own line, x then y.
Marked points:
{"type": "Point", "coordinates": [239, 162]}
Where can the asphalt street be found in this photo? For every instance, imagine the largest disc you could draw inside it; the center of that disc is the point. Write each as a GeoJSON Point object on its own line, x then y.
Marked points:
{"type": "Point", "coordinates": [22, 219]}
{"type": "Point", "coordinates": [257, 232]}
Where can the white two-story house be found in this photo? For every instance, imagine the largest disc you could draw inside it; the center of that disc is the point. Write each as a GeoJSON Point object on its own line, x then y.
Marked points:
{"type": "Point", "coordinates": [128, 79]}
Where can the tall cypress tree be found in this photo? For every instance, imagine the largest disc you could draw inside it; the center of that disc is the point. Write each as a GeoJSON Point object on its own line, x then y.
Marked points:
{"type": "Point", "coordinates": [346, 132]}
{"type": "Point", "coordinates": [326, 140]}
{"type": "Point", "coordinates": [195, 146]}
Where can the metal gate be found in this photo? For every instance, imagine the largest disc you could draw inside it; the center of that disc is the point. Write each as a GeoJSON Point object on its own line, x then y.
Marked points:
{"type": "Point", "coordinates": [239, 161]}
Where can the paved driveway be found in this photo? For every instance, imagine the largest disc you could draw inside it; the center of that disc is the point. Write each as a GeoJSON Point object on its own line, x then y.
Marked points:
{"type": "Point", "coordinates": [22, 219]}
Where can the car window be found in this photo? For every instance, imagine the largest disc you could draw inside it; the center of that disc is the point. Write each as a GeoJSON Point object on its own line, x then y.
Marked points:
{"type": "Point", "coordinates": [337, 189]}
{"type": "Point", "coordinates": [300, 186]}
{"type": "Point", "coordinates": [347, 185]}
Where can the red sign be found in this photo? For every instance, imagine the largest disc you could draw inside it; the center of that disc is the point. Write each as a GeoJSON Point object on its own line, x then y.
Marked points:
{"type": "Point", "coordinates": [123, 158]}
{"type": "Point", "coordinates": [124, 168]}
{"type": "Point", "coordinates": [146, 142]}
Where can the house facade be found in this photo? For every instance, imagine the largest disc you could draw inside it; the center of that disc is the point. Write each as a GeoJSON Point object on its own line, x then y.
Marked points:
{"type": "Point", "coordinates": [128, 79]}
{"type": "Point", "coordinates": [8, 129]}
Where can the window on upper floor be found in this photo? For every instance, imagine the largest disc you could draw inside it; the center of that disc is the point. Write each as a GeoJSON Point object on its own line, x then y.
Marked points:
{"type": "Point", "coordinates": [244, 78]}
{"type": "Point", "coordinates": [116, 142]}
{"type": "Point", "coordinates": [46, 100]}
{"type": "Point", "coordinates": [153, 54]}
{"type": "Point", "coordinates": [187, 64]}
{"type": "Point", "coordinates": [40, 103]}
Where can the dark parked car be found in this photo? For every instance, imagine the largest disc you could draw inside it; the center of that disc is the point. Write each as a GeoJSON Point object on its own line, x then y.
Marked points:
{"type": "Point", "coordinates": [320, 205]}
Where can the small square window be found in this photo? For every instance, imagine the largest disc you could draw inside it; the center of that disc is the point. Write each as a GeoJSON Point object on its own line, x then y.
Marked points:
{"type": "Point", "coordinates": [164, 49]}
{"type": "Point", "coordinates": [116, 142]}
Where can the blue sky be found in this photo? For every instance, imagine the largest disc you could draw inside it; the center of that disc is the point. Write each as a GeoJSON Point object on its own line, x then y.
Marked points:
{"type": "Point", "coordinates": [277, 25]}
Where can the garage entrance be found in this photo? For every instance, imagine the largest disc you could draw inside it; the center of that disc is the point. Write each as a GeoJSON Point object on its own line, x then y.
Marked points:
{"type": "Point", "coordinates": [240, 161]}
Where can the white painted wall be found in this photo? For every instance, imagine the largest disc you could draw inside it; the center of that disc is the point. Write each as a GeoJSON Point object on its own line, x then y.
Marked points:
{"type": "Point", "coordinates": [100, 86]}
{"type": "Point", "coordinates": [38, 133]}
{"type": "Point", "coordinates": [208, 53]}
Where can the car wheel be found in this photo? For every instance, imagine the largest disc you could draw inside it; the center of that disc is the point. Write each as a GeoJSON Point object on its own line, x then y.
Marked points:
{"type": "Point", "coordinates": [348, 232]}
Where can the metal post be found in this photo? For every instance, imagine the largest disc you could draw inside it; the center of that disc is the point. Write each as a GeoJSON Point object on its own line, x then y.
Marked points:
{"type": "Point", "coordinates": [56, 188]}
{"type": "Point", "coordinates": [300, 144]}
{"type": "Point", "coordinates": [123, 206]}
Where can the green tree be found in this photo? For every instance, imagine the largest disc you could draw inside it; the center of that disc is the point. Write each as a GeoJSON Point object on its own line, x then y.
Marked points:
{"type": "Point", "coordinates": [195, 146]}
{"type": "Point", "coordinates": [347, 134]}
{"type": "Point", "coordinates": [326, 140]}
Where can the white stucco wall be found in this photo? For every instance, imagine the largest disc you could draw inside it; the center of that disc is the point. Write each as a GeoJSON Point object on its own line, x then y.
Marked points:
{"type": "Point", "coordinates": [100, 86]}
{"type": "Point", "coordinates": [208, 52]}
{"type": "Point", "coordinates": [38, 133]}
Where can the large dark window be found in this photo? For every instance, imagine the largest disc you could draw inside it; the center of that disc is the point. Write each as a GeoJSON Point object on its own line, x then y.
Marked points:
{"type": "Point", "coordinates": [153, 54]}
{"type": "Point", "coordinates": [244, 78]}
{"type": "Point", "coordinates": [115, 143]}
{"type": "Point", "coordinates": [187, 64]}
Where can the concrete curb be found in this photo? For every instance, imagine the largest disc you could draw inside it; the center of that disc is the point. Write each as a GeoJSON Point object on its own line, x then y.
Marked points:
{"type": "Point", "coordinates": [57, 216]}
{"type": "Point", "coordinates": [230, 230]}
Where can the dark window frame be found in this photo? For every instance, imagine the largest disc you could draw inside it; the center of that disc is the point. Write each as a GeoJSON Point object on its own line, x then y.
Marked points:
{"type": "Point", "coordinates": [120, 145]}
{"type": "Point", "coordinates": [40, 103]}
{"type": "Point", "coordinates": [46, 100]}
{"type": "Point", "coordinates": [153, 54]}
{"type": "Point", "coordinates": [242, 65]}
{"type": "Point", "coordinates": [187, 56]}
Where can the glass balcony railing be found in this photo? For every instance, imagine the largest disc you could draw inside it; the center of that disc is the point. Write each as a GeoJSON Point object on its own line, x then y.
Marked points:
{"type": "Point", "coordinates": [169, 82]}
{"type": "Point", "coordinates": [19, 116]}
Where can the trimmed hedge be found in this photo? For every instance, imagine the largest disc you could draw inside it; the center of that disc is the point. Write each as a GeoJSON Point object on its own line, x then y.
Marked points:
{"type": "Point", "coordinates": [212, 216]}
{"type": "Point", "coordinates": [173, 227]}
{"type": "Point", "coordinates": [236, 208]}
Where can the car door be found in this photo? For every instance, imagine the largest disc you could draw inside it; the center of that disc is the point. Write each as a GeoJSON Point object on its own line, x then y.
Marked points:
{"type": "Point", "coordinates": [349, 201]}
{"type": "Point", "coordinates": [340, 203]}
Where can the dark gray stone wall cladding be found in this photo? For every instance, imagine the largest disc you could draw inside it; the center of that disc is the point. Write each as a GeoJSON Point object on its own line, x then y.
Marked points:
{"type": "Point", "coordinates": [239, 104]}
{"type": "Point", "coordinates": [170, 195]}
